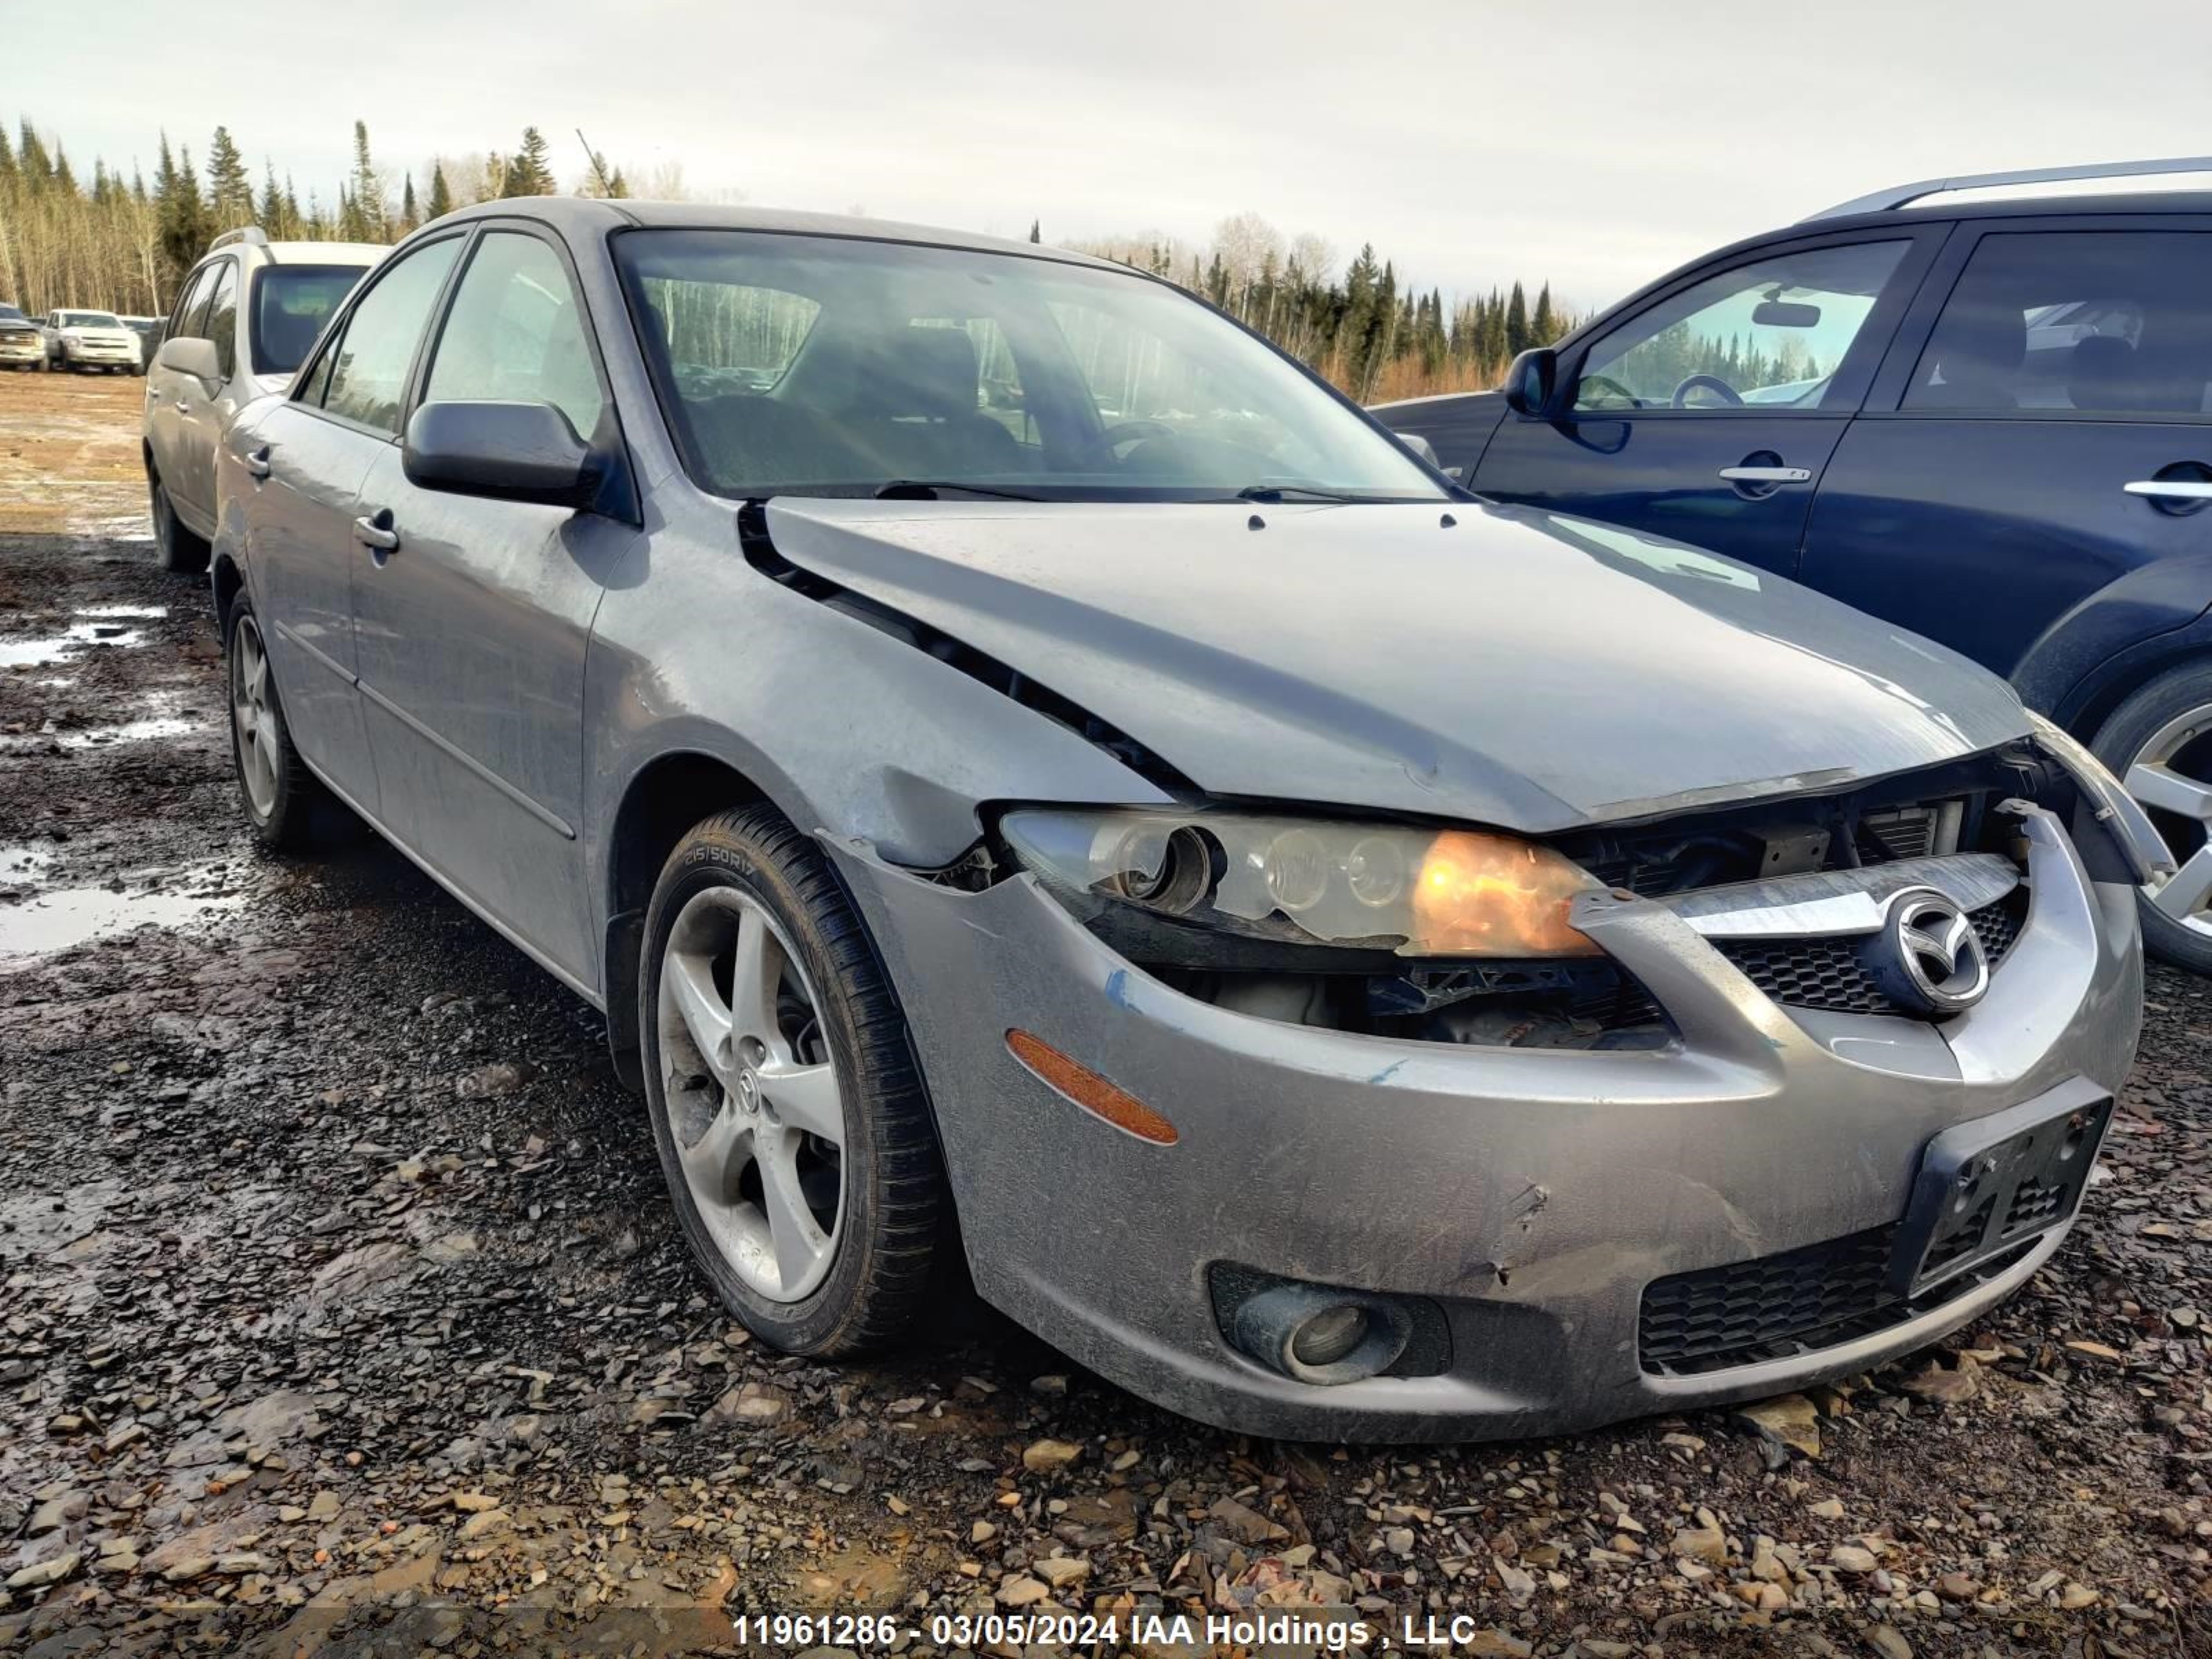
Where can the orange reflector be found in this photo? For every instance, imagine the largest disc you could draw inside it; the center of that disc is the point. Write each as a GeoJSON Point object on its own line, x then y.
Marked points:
{"type": "Point", "coordinates": [1090, 1091]}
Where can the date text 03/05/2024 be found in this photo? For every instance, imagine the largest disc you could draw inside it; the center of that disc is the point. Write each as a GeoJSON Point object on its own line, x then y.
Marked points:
{"type": "Point", "coordinates": [1329, 1630]}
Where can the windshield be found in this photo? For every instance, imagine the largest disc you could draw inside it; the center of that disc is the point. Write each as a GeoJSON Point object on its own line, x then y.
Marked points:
{"type": "Point", "coordinates": [290, 305]}
{"type": "Point", "coordinates": [831, 366]}
{"type": "Point", "coordinates": [89, 320]}
{"type": "Point", "coordinates": [9, 315]}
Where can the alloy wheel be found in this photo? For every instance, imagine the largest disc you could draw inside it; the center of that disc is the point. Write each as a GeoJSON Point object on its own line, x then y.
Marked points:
{"type": "Point", "coordinates": [2171, 777]}
{"type": "Point", "coordinates": [253, 716]}
{"type": "Point", "coordinates": [753, 1096]}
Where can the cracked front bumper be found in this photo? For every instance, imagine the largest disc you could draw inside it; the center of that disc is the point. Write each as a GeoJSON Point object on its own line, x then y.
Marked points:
{"type": "Point", "coordinates": [1530, 1194]}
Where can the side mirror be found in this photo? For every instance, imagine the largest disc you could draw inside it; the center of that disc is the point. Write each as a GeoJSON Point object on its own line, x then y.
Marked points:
{"type": "Point", "coordinates": [189, 357]}
{"type": "Point", "coordinates": [1420, 447]}
{"type": "Point", "coordinates": [1530, 382]}
{"type": "Point", "coordinates": [509, 451]}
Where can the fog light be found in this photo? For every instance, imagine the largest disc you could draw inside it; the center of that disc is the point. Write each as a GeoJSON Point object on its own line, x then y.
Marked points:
{"type": "Point", "coordinates": [1329, 1335]}
{"type": "Point", "coordinates": [1315, 1334]}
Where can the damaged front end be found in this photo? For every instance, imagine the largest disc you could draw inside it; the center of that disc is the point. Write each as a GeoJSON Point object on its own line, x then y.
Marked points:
{"type": "Point", "coordinates": [1462, 936]}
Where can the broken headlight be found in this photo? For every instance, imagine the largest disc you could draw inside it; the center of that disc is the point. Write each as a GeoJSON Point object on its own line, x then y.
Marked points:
{"type": "Point", "coordinates": [1310, 881]}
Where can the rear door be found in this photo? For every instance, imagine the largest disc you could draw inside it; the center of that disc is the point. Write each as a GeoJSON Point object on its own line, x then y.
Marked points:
{"type": "Point", "coordinates": [1709, 412]}
{"type": "Point", "coordinates": [473, 629]}
{"type": "Point", "coordinates": [2034, 435]}
{"type": "Point", "coordinates": [304, 555]}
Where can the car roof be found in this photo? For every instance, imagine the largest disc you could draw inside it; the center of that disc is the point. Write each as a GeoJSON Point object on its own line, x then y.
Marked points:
{"type": "Point", "coordinates": [588, 215]}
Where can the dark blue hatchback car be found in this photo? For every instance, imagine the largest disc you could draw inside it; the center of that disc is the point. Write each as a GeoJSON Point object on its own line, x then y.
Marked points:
{"type": "Point", "coordinates": [1969, 406]}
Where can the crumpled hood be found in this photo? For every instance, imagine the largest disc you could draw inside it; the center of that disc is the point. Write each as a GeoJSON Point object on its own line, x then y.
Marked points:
{"type": "Point", "coordinates": [1519, 668]}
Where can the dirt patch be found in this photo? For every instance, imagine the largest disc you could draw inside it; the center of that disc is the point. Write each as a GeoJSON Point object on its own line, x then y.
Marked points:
{"type": "Point", "coordinates": [69, 451]}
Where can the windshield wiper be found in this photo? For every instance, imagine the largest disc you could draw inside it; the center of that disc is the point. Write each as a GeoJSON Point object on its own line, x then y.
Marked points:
{"type": "Point", "coordinates": [1289, 492]}
{"type": "Point", "coordinates": [929, 489]}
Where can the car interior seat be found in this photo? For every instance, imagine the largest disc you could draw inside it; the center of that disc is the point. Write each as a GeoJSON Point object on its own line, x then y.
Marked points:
{"type": "Point", "coordinates": [2103, 375]}
{"type": "Point", "coordinates": [1979, 352]}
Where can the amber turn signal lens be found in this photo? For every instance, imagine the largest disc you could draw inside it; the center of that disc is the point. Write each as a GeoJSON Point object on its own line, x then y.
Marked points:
{"type": "Point", "coordinates": [1499, 896]}
{"type": "Point", "coordinates": [1090, 1090]}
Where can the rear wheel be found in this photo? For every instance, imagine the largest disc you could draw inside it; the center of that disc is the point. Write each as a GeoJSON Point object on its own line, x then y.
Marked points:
{"type": "Point", "coordinates": [179, 549]}
{"type": "Point", "coordinates": [789, 1113]}
{"type": "Point", "coordinates": [2159, 744]}
{"type": "Point", "coordinates": [276, 792]}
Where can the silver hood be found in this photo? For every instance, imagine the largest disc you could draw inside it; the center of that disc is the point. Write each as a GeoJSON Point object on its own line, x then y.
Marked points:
{"type": "Point", "coordinates": [1519, 668]}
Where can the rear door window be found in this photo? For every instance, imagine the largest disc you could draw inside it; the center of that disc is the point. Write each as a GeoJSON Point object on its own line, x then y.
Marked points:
{"type": "Point", "coordinates": [2096, 323]}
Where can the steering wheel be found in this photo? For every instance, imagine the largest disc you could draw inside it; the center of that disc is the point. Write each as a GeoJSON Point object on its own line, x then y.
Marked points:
{"type": "Point", "coordinates": [1107, 443]}
{"type": "Point", "coordinates": [1607, 384]}
{"type": "Point", "coordinates": [1706, 383]}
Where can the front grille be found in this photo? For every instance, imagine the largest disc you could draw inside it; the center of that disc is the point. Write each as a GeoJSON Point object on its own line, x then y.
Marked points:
{"type": "Point", "coordinates": [1775, 1307]}
{"type": "Point", "coordinates": [1830, 974]}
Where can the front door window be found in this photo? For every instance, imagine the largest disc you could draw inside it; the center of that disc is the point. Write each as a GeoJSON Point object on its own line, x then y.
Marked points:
{"type": "Point", "coordinates": [1770, 334]}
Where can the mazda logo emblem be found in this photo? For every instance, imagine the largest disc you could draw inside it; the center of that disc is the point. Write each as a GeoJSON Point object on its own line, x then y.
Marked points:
{"type": "Point", "coordinates": [1928, 957]}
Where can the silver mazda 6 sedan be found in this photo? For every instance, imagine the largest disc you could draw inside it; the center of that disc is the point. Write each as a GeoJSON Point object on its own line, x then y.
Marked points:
{"type": "Point", "coordinates": [1027, 771]}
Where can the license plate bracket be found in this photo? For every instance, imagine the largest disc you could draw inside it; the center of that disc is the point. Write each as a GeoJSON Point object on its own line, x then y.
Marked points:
{"type": "Point", "coordinates": [1984, 1187]}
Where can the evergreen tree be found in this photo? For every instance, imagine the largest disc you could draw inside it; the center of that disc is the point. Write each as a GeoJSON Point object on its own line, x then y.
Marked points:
{"type": "Point", "coordinates": [1545, 324]}
{"type": "Point", "coordinates": [1517, 323]}
{"type": "Point", "coordinates": [407, 219]}
{"type": "Point", "coordinates": [529, 171]}
{"type": "Point", "coordinates": [230, 191]}
{"type": "Point", "coordinates": [179, 212]}
{"type": "Point", "coordinates": [366, 194]}
{"type": "Point", "coordinates": [1036, 232]}
{"type": "Point", "coordinates": [441, 195]}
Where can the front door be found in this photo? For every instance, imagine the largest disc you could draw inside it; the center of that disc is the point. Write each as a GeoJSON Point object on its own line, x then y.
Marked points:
{"type": "Point", "coordinates": [172, 397]}
{"type": "Point", "coordinates": [204, 410]}
{"type": "Point", "coordinates": [1709, 415]}
{"type": "Point", "coordinates": [473, 625]}
{"type": "Point", "coordinates": [2042, 427]}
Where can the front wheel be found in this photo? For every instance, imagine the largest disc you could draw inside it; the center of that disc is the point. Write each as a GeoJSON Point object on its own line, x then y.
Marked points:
{"type": "Point", "coordinates": [2159, 744]}
{"type": "Point", "coordinates": [788, 1111]}
{"type": "Point", "coordinates": [275, 791]}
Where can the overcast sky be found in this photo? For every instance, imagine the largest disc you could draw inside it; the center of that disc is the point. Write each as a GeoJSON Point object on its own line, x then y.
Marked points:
{"type": "Point", "coordinates": [1596, 143]}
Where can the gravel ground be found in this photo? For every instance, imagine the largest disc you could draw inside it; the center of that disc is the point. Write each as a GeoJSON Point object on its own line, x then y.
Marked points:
{"type": "Point", "coordinates": [343, 1311]}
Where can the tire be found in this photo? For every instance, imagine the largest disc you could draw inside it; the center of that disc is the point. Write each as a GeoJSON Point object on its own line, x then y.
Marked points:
{"type": "Point", "coordinates": [180, 551]}
{"type": "Point", "coordinates": [2158, 728]}
{"type": "Point", "coordinates": [859, 1281]}
{"type": "Point", "coordinates": [276, 793]}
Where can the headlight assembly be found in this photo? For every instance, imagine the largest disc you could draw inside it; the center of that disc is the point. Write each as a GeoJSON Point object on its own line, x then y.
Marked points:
{"type": "Point", "coordinates": [1314, 882]}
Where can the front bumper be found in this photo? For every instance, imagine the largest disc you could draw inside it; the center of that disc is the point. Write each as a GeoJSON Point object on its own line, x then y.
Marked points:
{"type": "Point", "coordinates": [107, 353]}
{"type": "Point", "coordinates": [1529, 1195]}
{"type": "Point", "coordinates": [21, 349]}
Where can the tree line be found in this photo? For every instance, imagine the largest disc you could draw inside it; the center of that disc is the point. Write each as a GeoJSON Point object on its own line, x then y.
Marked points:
{"type": "Point", "coordinates": [124, 244]}
{"type": "Point", "coordinates": [1368, 331]}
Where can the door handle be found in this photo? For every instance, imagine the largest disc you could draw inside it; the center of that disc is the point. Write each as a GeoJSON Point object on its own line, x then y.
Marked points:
{"type": "Point", "coordinates": [1769, 475]}
{"type": "Point", "coordinates": [2170, 489]}
{"type": "Point", "coordinates": [377, 534]}
{"type": "Point", "coordinates": [183, 408]}
{"type": "Point", "coordinates": [257, 462]}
